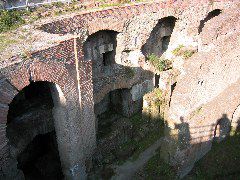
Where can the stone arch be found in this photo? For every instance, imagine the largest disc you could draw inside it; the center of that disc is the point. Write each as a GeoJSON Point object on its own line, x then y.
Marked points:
{"type": "Point", "coordinates": [222, 128]}
{"type": "Point", "coordinates": [159, 39]}
{"type": "Point", "coordinates": [31, 125]}
{"type": "Point", "coordinates": [99, 44]}
{"type": "Point", "coordinates": [12, 82]}
{"type": "Point", "coordinates": [209, 16]}
{"type": "Point", "coordinates": [100, 48]}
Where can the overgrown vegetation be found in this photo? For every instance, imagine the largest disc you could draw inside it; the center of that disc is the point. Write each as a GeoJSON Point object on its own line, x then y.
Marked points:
{"type": "Point", "coordinates": [140, 126]}
{"type": "Point", "coordinates": [11, 19]}
{"type": "Point", "coordinates": [177, 50]}
{"type": "Point", "coordinates": [121, 2]}
{"type": "Point", "coordinates": [183, 51]}
{"type": "Point", "coordinates": [159, 63]}
{"type": "Point", "coordinates": [5, 41]}
{"type": "Point", "coordinates": [222, 162]}
{"type": "Point", "coordinates": [156, 168]}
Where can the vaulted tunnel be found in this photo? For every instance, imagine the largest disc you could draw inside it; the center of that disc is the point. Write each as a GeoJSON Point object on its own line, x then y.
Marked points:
{"type": "Point", "coordinates": [115, 105]}
{"type": "Point", "coordinates": [159, 40]}
{"type": "Point", "coordinates": [31, 132]}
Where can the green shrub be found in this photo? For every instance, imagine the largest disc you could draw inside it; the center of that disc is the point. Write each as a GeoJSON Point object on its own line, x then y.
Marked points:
{"type": "Point", "coordinates": [11, 19]}
{"type": "Point", "coordinates": [160, 64]}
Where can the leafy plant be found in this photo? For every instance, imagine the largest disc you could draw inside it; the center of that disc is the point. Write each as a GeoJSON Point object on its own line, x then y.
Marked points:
{"type": "Point", "coordinates": [183, 51]}
{"type": "Point", "coordinates": [160, 64]}
{"type": "Point", "coordinates": [5, 41]}
{"type": "Point", "coordinates": [188, 53]}
{"type": "Point", "coordinates": [11, 19]}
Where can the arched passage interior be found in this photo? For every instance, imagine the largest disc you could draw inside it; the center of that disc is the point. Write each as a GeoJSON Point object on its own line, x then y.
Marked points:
{"type": "Point", "coordinates": [159, 40]}
{"type": "Point", "coordinates": [31, 132]}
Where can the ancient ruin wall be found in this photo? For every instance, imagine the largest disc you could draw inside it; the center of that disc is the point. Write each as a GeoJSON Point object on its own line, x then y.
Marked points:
{"type": "Point", "coordinates": [59, 65]}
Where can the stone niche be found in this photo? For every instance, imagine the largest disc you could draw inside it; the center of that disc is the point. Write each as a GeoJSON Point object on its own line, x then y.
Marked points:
{"type": "Point", "coordinates": [160, 36]}
{"type": "Point", "coordinates": [100, 47]}
{"type": "Point", "coordinates": [119, 101]}
{"type": "Point", "coordinates": [31, 132]}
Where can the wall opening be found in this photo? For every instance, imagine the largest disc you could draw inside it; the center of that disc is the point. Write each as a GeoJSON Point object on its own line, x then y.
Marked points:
{"type": "Point", "coordinates": [115, 105]}
{"type": "Point", "coordinates": [156, 79]}
{"type": "Point", "coordinates": [210, 15]}
{"type": "Point", "coordinates": [108, 58]}
{"type": "Point", "coordinates": [160, 37]}
{"type": "Point", "coordinates": [172, 89]}
{"type": "Point", "coordinates": [165, 42]}
{"type": "Point", "coordinates": [31, 132]}
{"type": "Point", "coordinates": [100, 47]}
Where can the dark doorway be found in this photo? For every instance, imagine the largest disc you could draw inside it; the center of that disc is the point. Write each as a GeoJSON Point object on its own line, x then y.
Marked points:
{"type": "Point", "coordinates": [157, 77]}
{"type": "Point", "coordinates": [159, 39]}
{"type": "Point", "coordinates": [40, 160]}
{"type": "Point", "coordinates": [108, 58]}
{"type": "Point", "coordinates": [31, 132]}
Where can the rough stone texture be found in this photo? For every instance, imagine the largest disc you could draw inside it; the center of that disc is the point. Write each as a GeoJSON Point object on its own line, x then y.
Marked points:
{"type": "Point", "coordinates": [207, 95]}
{"type": "Point", "coordinates": [208, 80]}
{"type": "Point", "coordinates": [72, 147]}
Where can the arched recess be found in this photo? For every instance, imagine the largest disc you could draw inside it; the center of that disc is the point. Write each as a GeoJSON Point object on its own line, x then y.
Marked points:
{"type": "Point", "coordinates": [66, 113]}
{"type": "Point", "coordinates": [31, 130]}
{"type": "Point", "coordinates": [210, 15]}
{"type": "Point", "coordinates": [100, 47]}
{"type": "Point", "coordinates": [159, 39]}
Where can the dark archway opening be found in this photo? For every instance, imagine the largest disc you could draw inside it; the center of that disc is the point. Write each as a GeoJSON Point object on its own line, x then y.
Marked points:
{"type": "Point", "coordinates": [156, 79]}
{"type": "Point", "coordinates": [100, 47]}
{"type": "Point", "coordinates": [114, 106]}
{"type": "Point", "coordinates": [40, 159]}
{"type": "Point", "coordinates": [160, 36]}
{"type": "Point", "coordinates": [31, 132]}
{"type": "Point", "coordinates": [210, 15]}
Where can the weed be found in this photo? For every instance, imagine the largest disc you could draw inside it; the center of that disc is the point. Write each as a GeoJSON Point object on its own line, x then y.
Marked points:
{"type": "Point", "coordinates": [188, 53]}
{"type": "Point", "coordinates": [176, 51]}
{"type": "Point", "coordinates": [5, 41]}
{"type": "Point", "coordinates": [182, 51]}
{"type": "Point", "coordinates": [160, 64]}
{"type": "Point", "coordinates": [156, 168]}
{"type": "Point", "coordinates": [10, 20]}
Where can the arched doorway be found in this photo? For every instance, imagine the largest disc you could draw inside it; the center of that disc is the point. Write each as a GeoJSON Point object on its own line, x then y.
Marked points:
{"type": "Point", "coordinates": [31, 132]}
{"type": "Point", "coordinates": [159, 39]}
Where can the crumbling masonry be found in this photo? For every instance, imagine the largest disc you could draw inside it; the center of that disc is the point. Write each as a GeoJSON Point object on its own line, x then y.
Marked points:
{"type": "Point", "coordinates": [103, 63]}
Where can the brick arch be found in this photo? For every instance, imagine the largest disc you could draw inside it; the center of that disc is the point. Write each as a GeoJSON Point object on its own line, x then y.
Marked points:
{"type": "Point", "coordinates": [18, 77]}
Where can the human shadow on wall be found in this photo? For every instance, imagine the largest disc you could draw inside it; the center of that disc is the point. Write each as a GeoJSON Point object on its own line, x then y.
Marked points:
{"type": "Point", "coordinates": [184, 136]}
{"type": "Point", "coordinates": [222, 128]}
{"type": "Point", "coordinates": [216, 160]}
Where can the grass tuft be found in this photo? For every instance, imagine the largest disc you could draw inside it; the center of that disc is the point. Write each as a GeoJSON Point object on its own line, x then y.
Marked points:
{"type": "Point", "coordinates": [159, 63]}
